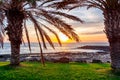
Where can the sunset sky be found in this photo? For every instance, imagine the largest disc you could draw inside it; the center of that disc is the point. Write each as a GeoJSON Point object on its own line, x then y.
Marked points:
{"type": "Point", "coordinates": [90, 31]}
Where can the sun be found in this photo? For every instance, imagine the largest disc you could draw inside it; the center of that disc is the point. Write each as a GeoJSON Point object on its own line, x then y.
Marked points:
{"type": "Point", "coordinates": [63, 37]}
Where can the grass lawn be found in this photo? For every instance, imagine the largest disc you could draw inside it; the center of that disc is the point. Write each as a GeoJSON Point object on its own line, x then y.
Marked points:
{"type": "Point", "coordinates": [57, 71]}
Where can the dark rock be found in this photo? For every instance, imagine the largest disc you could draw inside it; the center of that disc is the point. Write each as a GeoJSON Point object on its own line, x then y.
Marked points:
{"type": "Point", "coordinates": [30, 59]}
{"type": "Point", "coordinates": [1, 56]}
{"type": "Point", "coordinates": [2, 59]}
{"type": "Point", "coordinates": [64, 60]}
{"type": "Point", "coordinates": [22, 59]}
{"type": "Point", "coordinates": [61, 60]}
{"type": "Point", "coordinates": [81, 60]}
{"type": "Point", "coordinates": [54, 60]}
{"type": "Point", "coordinates": [108, 61]}
{"type": "Point", "coordinates": [96, 61]}
{"type": "Point", "coordinates": [33, 59]}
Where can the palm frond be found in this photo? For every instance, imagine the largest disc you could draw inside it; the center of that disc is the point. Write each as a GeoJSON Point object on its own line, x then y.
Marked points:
{"type": "Point", "coordinates": [39, 29]}
{"type": "Point", "coordinates": [62, 4]}
{"type": "Point", "coordinates": [23, 41]}
{"type": "Point", "coordinates": [41, 51]}
{"type": "Point", "coordinates": [27, 35]}
{"type": "Point", "coordinates": [94, 4]}
{"type": "Point", "coordinates": [1, 40]}
{"type": "Point", "coordinates": [52, 31]}
{"type": "Point", "coordinates": [38, 40]}
{"type": "Point", "coordinates": [39, 8]}
{"type": "Point", "coordinates": [74, 18]}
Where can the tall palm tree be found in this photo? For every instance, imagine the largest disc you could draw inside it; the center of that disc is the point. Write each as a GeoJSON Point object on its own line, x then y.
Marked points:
{"type": "Point", "coordinates": [111, 12]}
{"type": "Point", "coordinates": [15, 13]}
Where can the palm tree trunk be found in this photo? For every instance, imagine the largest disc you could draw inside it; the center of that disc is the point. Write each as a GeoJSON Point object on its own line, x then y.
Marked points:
{"type": "Point", "coordinates": [115, 55]}
{"type": "Point", "coordinates": [15, 54]}
{"type": "Point", "coordinates": [14, 31]}
{"type": "Point", "coordinates": [112, 28]}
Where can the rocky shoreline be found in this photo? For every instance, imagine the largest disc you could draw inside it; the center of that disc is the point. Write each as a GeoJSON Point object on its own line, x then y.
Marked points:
{"type": "Point", "coordinates": [102, 57]}
{"type": "Point", "coordinates": [86, 57]}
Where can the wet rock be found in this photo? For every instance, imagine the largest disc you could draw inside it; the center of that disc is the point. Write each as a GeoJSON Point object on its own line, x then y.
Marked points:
{"type": "Point", "coordinates": [64, 60]}
{"type": "Point", "coordinates": [30, 59]}
{"type": "Point", "coordinates": [61, 60]}
{"type": "Point", "coordinates": [81, 60]}
{"type": "Point", "coordinates": [96, 61]}
{"type": "Point", "coordinates": [54, 60]}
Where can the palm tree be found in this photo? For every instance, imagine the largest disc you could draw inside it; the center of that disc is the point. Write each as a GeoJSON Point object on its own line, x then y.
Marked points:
{"type": "Point", "coordinates": [15, 13]}
{"type": "Point", "coordinates": [111, 12]}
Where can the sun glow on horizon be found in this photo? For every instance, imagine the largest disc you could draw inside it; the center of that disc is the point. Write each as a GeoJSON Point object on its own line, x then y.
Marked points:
{"type": "Point", "coordinates": [63, 37]}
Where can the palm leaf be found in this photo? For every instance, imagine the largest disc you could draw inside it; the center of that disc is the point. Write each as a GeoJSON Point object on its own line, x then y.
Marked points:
{"type": "Point", "coordinates": [27, 35]}
{"type": "Point", "coordinates": [53, 33]}
{"type": "Point", "coordinates": [66, 16]}
{"type": "Point", "coordinates": [42, 57]}
{"type": "Point", "coordinates": [39, 29]}
{"type": "Point", "coordinates": [1, 40]}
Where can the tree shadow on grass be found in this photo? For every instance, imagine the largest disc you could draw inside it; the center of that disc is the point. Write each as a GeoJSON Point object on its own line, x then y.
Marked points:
{"type": "Point", "coordinates": [79, 63]}
{"type": "Point", "coordinates": [9, 67]}
{"type": "Point", "coordinates": [113, 75]}
{"type": "Point", "coordinates": [115, 72]}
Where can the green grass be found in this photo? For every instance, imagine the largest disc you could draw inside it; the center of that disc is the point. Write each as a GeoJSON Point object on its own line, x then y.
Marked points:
{"type": "Point", "coordinates": [57, 71]}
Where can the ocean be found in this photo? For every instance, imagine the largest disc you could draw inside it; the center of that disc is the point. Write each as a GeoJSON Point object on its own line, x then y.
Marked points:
{"type": "Point", "coordinates": [66, 47]}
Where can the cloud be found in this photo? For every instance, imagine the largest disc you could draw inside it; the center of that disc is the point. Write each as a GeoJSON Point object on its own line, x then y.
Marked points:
{"type": "Point", "coordinates": [90, 15]}
{"type": "Point", "coordinates": [92, 33]}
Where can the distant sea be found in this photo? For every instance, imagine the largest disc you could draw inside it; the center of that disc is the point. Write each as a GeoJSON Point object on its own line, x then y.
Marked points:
{"type": "Point", "coordinates": [66, 47]}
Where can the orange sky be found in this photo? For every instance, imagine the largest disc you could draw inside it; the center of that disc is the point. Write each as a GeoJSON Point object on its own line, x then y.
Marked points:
{"type": "Point", "coordinates": [83, 38]}
{"type": "Point", "coordinates": [90, 31]}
